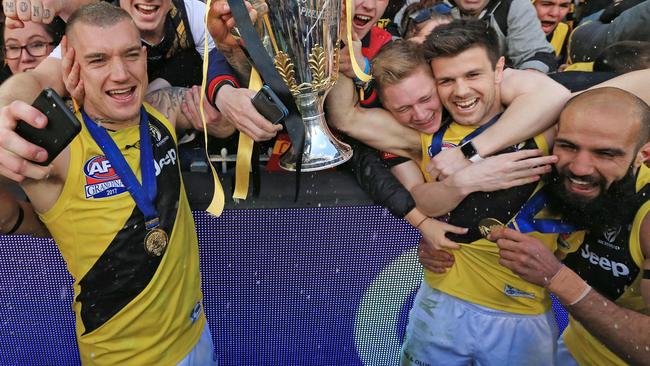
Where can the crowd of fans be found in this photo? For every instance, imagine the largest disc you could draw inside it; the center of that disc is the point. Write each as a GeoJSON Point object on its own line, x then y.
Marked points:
{"type": "Point", "coordinates": [460, 108]}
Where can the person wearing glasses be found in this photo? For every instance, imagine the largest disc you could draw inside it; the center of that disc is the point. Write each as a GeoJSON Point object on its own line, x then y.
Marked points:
{"type": "Point", "coordinates": [421, 18]}
{"type": "Point", "coordinates": [25, 48]}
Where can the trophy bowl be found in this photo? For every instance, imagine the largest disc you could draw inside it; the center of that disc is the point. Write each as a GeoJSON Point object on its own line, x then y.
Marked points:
{"type": "Point", "coordinates": [302, 38]}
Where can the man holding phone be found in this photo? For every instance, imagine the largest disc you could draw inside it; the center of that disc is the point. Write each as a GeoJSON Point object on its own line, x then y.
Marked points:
{"type": "Point", "coordinates": [131, 247]}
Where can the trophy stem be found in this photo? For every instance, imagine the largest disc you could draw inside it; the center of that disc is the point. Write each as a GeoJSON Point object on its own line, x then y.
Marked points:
{"type": "Point", "coordinates": [321, 149]}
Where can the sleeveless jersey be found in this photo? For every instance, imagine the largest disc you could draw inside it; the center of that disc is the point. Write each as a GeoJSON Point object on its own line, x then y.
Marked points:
{"type": "Point", "coordinates": [476, 275]}
{"type": "Point", "coordinates": [611, 262]}
{"type": "Point", "coordinates": [131, 308]}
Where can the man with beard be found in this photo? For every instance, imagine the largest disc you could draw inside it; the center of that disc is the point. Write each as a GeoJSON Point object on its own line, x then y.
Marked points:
{"type": "Point", "coordinates": [600, 183]}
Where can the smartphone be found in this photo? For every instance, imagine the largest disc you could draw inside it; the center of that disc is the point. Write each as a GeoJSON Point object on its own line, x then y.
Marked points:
{"type": "Point", "coordinates": [62, 125]}
{"type": "Point", "coordinates": [269, 105]}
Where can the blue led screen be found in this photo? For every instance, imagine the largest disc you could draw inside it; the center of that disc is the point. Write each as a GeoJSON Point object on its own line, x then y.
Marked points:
{"type": "Point", "coordinates": [309, 286]}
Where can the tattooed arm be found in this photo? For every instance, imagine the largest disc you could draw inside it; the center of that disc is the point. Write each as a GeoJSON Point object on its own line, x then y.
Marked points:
{"type": "Point", "coordinates": [180, 107]}
{"type": "Point", "coordinates": [220, 22]}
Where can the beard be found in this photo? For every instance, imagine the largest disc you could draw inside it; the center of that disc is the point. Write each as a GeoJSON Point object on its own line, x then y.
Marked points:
{"type": "Point", "coordinates": [614, 206]}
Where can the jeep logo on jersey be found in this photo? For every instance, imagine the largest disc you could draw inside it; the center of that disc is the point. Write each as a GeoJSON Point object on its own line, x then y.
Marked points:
{"type": "Point", "coordinates": [617, 269]}
{"type": "Point", "coordinates": [101, 179]}
{"type": "Point", "coordinates": [168, 159]}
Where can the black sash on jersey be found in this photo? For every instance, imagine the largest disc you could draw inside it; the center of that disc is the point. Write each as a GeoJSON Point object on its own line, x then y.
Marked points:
{"type": "Point", "coordinates": [502, 205]}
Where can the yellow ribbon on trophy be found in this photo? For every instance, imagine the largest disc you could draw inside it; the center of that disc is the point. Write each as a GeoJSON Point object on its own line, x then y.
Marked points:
{"type": "Point", "coordinates": [245, 149]}
{"type": "Point", "coordinates": [218, 198]}
{"type": "Point", "coordinates": [353, 60]}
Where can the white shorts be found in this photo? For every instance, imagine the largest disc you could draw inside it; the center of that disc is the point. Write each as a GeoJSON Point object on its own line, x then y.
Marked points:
{"type": "Point", "coordinates": [564, 357]}
{"type": "Point", "coordinates": [203, 352]}
{"type": "Point", "coordinates": [445, 330]}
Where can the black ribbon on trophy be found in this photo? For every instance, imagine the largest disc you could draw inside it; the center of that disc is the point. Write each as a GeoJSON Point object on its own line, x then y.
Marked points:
{"type": "Point", "coordinates": [261, 60]}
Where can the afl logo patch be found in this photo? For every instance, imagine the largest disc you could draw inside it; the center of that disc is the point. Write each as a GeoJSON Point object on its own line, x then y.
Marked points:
{"type": "Point", "coordinates": [445, 146]}
{"type": "Point", "coordinates": [101, 179]}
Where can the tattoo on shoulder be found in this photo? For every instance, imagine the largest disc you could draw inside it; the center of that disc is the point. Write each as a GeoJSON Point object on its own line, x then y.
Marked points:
{"type": "Point", "coordinates": [167, 100]}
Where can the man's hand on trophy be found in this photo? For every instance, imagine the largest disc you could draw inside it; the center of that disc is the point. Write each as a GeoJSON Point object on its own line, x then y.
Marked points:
{"type": "Point", "coordinates": [37, 11]}
{"type": "Point", "coordinates": [221, 22]}
{"type": "Point", "coordinates": [236, 105]}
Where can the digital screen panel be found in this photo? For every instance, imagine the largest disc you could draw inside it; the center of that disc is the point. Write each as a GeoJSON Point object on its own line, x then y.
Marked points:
{"type": "Point", "coordinates": [308, 286]}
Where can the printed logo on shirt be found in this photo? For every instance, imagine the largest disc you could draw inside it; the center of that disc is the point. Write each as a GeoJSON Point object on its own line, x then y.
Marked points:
{"type": "Point", "coordinates": [562, 241]}
{"type": "Point", "coordinates": [196, 312]}
{"type": "Point", "coordinates": [609, 265]}
{"type": "Point", "coordinates": [612, 233]}
{"type": "Point", "coordinates": [158, 139]}
{"type": "Point", "coordinates": [101, 179]}
{"type": "Point", "coordinates": [445, 145]}
{"type": "Point", "coordinates": [515, 292]}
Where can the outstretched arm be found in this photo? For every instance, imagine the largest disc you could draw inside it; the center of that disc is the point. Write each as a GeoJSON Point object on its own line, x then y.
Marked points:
{"type": "Point", "coordinates": [491, 174]}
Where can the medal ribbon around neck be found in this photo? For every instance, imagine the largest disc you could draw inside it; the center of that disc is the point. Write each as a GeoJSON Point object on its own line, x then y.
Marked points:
{"type": "Point", "coordinates": [143, 194]}
{"type": "Point", "coordinates": [436, 142]}
{"type": "Point", "coordinates": [525, 221]}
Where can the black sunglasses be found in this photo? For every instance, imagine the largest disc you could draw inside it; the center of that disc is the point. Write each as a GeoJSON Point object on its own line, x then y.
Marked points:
{"type": "Point", "coordinates": [425, 14]}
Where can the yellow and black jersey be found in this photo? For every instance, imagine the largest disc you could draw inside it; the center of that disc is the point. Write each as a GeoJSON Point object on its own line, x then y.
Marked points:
{"type": "Point", "coordinates": [131, 308]}
{"type": "Point", "coordinates": [476, 275]}
{"type": "Point", "coordinates": [611, 262]}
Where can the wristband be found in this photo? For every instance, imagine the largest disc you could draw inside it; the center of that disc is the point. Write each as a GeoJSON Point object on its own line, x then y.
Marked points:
{"type": "Point", "coordinates": [21, 217]}
{"type": "Point", "coordinates": [366, 70]}
{"type": "Point", "coordinates": [568, 286]}
{"type": "Point", "coordinates": [420, 223]}
{"type": "Point", "coordinates": [216, 89]}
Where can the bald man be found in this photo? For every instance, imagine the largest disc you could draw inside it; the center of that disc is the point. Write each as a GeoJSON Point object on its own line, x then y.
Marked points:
{"type": "Point", "coordinates": [600, 182]}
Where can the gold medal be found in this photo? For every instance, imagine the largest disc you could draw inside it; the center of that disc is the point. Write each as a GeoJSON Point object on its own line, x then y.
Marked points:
{"type": "Point", "coordinates": [155, 242]}
{"type": "Point", "coordinates": [485, 226]}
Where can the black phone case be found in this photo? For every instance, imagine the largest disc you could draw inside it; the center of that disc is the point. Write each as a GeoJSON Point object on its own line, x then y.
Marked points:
{"type": "Point", "coordinates": [62, 125]}
{"type": "Point", "coordinates": [268, 106]}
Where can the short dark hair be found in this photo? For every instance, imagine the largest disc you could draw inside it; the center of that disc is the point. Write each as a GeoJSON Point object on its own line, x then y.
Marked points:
{"type": "Point", "coordinates": [449, 40]}
{"type": "Point", "coordinates": [100, 14]}
{"type": "Point", "coordinates": [624, 56]}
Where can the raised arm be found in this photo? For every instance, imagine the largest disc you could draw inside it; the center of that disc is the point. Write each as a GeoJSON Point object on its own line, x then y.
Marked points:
{"type": "Point", "coordinates": [635, 82]}
{"type": "Point", "coordinates": [41, 11]}
{"type": "Point", "coordinates": [494, 173]}
{"type": "Point", "coordinates": [375, 127]}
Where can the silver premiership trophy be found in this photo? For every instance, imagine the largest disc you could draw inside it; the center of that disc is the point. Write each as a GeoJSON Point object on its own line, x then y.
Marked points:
{"type": "Point", "coordinates": [302, 38]}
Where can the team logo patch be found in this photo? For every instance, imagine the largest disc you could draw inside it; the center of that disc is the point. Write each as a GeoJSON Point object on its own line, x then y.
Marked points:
{"type": "Point", "coordinates": [562, 241]}
{"type": "Point", "coordinates": [515, 292]}
{"type": "Point", "coordinates": [101, 179]}
{"type": "Point", "coordinates": [445, 146]}
{"type": "Point", "coordinates": [612, 233]}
